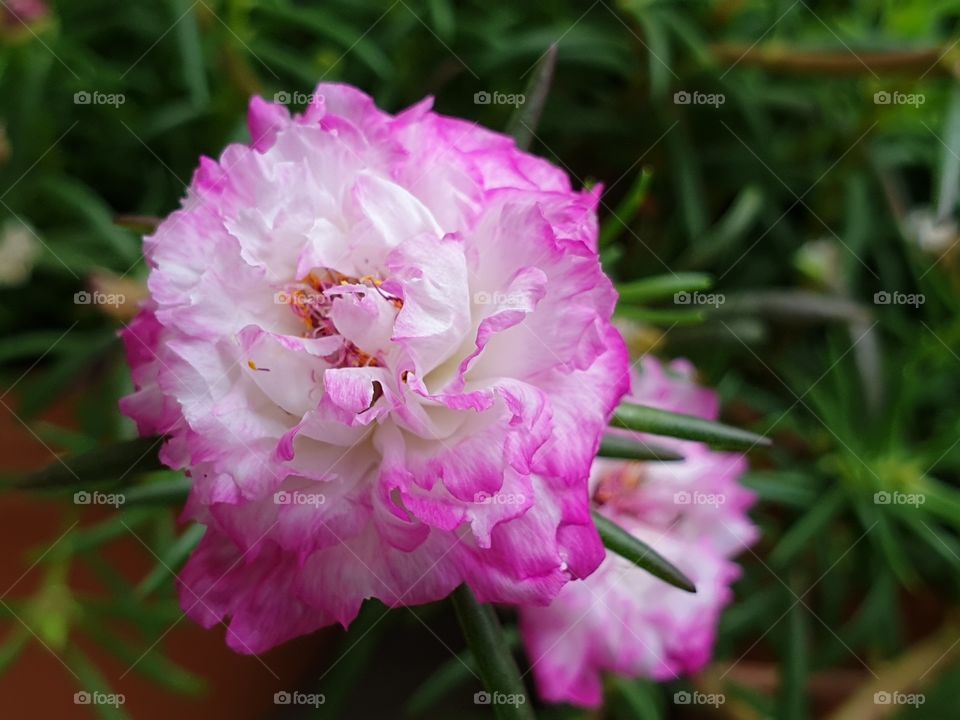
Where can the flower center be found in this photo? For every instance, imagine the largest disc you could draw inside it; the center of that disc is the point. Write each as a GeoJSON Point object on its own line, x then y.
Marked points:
{"type": "Point", "coordinates": [312, 298]}
{"type": "Point", "coordinates": [620, 483]}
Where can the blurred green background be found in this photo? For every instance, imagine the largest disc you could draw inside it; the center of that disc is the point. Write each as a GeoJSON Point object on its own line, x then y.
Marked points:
{"type": "Point", "coordinates": [805, 155]}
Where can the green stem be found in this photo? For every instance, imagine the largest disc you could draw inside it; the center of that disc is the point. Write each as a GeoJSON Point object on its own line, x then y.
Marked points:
{"type": "Point", "coordinates": [498, 669]}
{"type": "Point", "coordinates": [113, 463]}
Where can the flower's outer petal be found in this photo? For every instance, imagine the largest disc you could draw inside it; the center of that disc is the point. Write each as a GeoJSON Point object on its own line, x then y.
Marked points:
{"type": "Point", "coordinates": [259, 595]}
{"type": "Point", "coordinates": [154, 412]}
{"type": "Point", "coordinates": [264, 121]}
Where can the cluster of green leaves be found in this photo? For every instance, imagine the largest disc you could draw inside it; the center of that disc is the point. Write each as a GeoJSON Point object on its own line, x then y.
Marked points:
{"type": "Point", "coordinates": [796, 200]}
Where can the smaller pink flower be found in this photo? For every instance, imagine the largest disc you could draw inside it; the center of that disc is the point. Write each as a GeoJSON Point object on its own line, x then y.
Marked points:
{"type": "Point", "coordinates": [621, 619]}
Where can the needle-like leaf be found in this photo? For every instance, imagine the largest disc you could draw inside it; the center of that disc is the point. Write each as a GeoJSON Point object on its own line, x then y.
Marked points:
{"type": "Point", "coordinates": [688, 427]}
{"type": "Point", "coordinates": [627, 448]}
{"type": "Point", "coordinates": [526, 118]}
{"type": "Point", "coordinates": [619, 541]}
{"type": "Point", "coordinates": [659, 287]}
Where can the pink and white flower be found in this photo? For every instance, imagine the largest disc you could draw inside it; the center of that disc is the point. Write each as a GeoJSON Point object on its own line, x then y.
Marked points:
{"type": "Point", "coordinates": [381, 348]}
{"type": "Point", "coordinates": [621, 619]}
